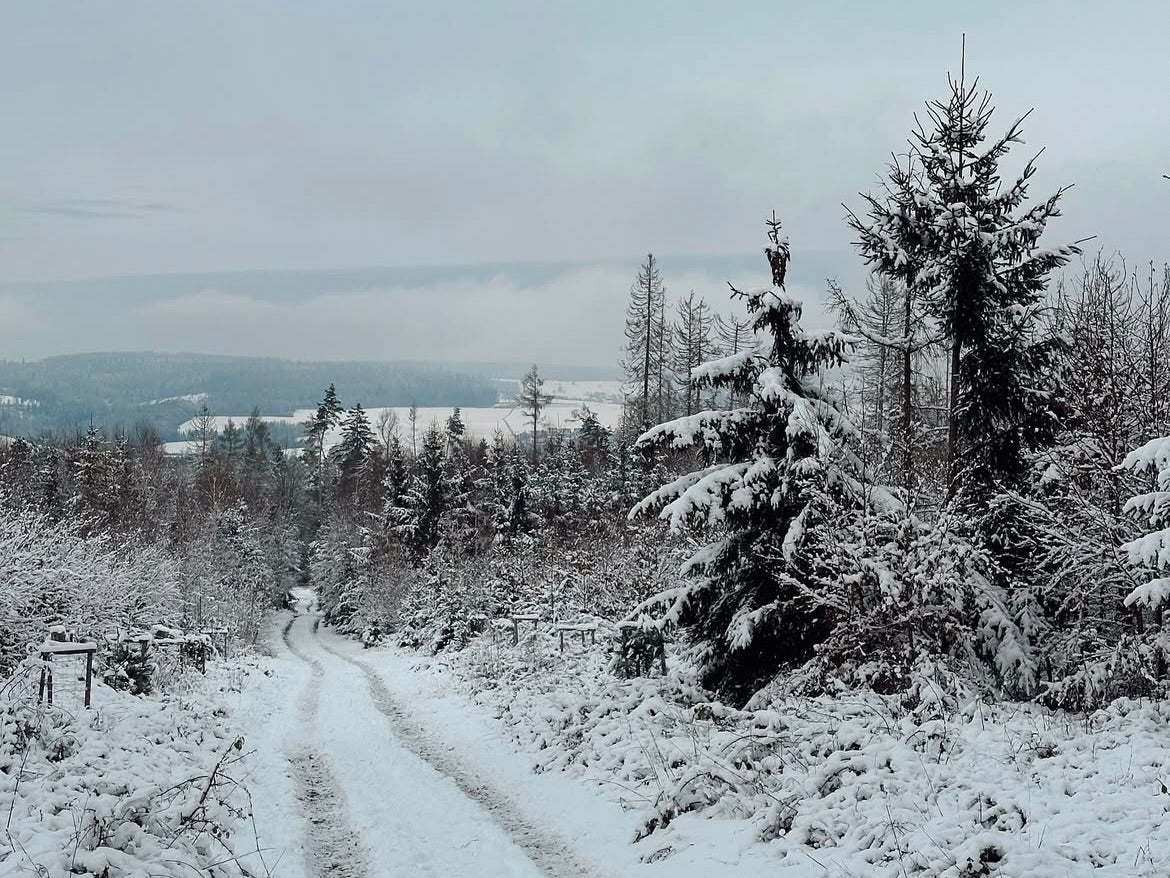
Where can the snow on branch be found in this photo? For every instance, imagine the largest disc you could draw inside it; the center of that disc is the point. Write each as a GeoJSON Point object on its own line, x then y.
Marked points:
{"type": "Point", "coordinates": [713, 429]}
{"type": "Point", "coordinates": [731, 368]}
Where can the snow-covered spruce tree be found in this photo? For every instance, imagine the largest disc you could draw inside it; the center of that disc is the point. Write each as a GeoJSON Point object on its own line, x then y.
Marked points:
{"type": "Point", "coordinates": [693, 346]}
{"type": "Point", "coordinates": [353, 454]}
{"type": "Point", "coordinates": [751, 599]}
{"type": "Point", "coordinates": [462, 524]}
{"type": "Point", "coordinates": [328, 415]}
{"type": "Point", "coordinates": [968, 245]}
{"type": "Point", "coordinates": [532, 400]}
{"type": "Point", "coordinates": [1153, 549]}
{"type": "Point", "coordinates": [93, 499]}
{"type": "Point", "coordinates": [645, 329]}
{"type": "Point", "coordinates": [419, 519]}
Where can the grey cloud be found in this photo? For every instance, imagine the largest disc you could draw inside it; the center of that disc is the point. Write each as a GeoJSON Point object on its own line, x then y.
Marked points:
{"type": "Point", "coordinates": [350, 133]}
{"type": "Point", "coordinates": [99, 208]}
{"type": "Point", "coordinates": [572, 316]}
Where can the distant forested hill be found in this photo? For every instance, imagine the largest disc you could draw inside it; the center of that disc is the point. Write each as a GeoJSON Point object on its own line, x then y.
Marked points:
{"type": "Point", "coordinates": [122, 389]}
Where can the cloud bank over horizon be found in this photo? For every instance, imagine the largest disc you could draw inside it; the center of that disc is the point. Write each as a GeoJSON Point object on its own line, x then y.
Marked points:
{"type": "Point", "coordinates": [572, 316]}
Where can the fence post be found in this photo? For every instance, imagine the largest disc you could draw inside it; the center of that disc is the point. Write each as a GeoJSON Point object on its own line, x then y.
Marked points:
{"type": "Point", "coordinates": [88, 677]}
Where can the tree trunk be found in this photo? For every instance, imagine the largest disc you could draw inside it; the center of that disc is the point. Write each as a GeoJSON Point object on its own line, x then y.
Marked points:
{"type": "Point", "coordinates": [907, 398]}
{"type": "Point", "coordinates": [953, 421]}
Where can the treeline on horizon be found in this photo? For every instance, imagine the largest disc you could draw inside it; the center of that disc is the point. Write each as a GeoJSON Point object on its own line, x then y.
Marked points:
{"type": "Point", "coordinates": [122, 391]}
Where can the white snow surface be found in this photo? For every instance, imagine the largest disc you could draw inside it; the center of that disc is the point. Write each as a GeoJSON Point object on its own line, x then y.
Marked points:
{"type": "Point", "coordinates": [850, 786]}
{"type": "Point", "coordinates": [186, 397]}
{"type": "Point", "coordinates": [525, 761]}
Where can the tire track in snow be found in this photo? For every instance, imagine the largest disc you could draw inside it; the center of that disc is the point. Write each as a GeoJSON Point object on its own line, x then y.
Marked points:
{"type": "Point", "coordinates": [334, 850]}
{"type": "Point", "coordinates": [553, 855]}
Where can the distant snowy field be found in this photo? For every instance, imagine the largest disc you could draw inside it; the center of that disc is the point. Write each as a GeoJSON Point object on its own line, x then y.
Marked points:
{"type": "Point", "coordinates": [602, 397]}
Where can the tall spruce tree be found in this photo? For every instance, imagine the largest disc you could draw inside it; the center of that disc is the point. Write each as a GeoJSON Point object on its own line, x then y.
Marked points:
{"type": "Point", "coordinates": [693, 346]}
{"type": "Point", "coordinates": [532, 400]}
{"type": "Point", "coordinates": [328, 416]}
{"type": "Point", "coordinates": [778, 464]}
{"type": "Point", "coordinates": [353, 454]}
{"type": "Point", "coordinates": [968, 247]}
{"type": "Point", "coordinates": [1152, 550]}
{"type": "Point", "coordinates": [420, 517]}
{"type": "Point", "coordinates": [645, 331]}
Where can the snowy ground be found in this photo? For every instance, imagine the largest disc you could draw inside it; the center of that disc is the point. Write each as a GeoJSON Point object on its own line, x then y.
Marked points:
{"type": "Point", "coordinates": [503, 761]}
{"type": "Point", "coordinates": [365, 768]}
{"type": "Point", "coordinates": [132, 786]}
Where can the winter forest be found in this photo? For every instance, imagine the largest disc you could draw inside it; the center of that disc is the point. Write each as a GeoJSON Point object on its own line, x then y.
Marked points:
{"type": "Point", "coordinates": [867, 584]}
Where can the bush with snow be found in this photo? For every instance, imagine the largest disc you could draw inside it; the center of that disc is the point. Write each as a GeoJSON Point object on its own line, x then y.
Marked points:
{"type": "Point", "coordinates": [1153, 549]}
{"type": "Point", "coordinates": [854, 783]}
{"type": "Point", "coordinates": [133, 786]}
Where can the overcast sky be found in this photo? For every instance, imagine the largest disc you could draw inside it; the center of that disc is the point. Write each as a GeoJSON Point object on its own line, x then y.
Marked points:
{"type": "Point", "coordinates": [154, 137]}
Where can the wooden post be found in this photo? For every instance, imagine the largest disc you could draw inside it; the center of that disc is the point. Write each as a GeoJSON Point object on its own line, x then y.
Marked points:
{"type": "Point", "coordinates": [515, 631]}
{"type": "Point", "coordinates": [50, 683]}
{"type": "Point", "coordinates": [41, 688]}
{"type": "Point", "coordinates": [562, 633]}
{"type": "Point", "coordinates": [88, 678]}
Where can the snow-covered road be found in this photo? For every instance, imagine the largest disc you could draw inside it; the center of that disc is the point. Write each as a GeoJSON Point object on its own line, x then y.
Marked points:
{"type": "Point", "coordinates": [376, 794]}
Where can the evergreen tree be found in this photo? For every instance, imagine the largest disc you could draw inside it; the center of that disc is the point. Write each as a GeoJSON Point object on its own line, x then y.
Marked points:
{"type": "Point", "coordinates": [455, 428]}
{"type": "Point", "coordinates": [18, 469]}
{"type": "Point", "coordinates": [317, 429]}
{"type": "Point", "coordinates": [693, 347]}
{"type": "Point", "coordinates": [594, 436]}
{"type": "Point", "coordinates": [1152, 550]}
{"type": "Point", "coordinates": [778, 466]}
{"type": "Point", "coordinates": [396, 478]}
{"type": "Point", "coordinates": [231, 442]}
{"type": "Point", "coordinates": [463, 519]}
{"type": "Point", "coordinates": [420, 518]}
{"type": "Point", "coordinates": [127, 497]}
{"type": "Point", "coordinates": [968, 247]}
{"type": "Point", "coordinates": [256, 466]}
{"type": "Point", "coordinates": [532, 401]}
{"type": "Point", "coordinates": [93, 500]}
{"type": "Point", "coordinates": [498, 477]}
{"type": "Point", "coordinates": [353, 454]}
{"type": "Point", "coordinates": [644, 336]}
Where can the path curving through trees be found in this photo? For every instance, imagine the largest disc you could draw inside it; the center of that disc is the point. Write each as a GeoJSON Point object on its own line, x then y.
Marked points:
{"type": "Point", "coordinates": [383, 797]}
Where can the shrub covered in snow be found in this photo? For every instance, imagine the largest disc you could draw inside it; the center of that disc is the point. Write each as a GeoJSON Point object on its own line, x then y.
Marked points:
{"type": "Point", "coordinates": [855, 783]}
{"type": "Point", "coordinates": [1153, 549]}
{"type": "Point", "coordinates": [134, 786]}
{"type": "Point", "coordinates": [91, 587]}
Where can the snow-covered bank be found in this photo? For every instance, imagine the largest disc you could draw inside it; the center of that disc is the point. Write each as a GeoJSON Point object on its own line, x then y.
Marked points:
{"type": "Point", "coordinates": [805, 787]}
{"type": "Point", "coordinates": [133, 786]}
{"type": "Point", "coordinates": [595, 812]}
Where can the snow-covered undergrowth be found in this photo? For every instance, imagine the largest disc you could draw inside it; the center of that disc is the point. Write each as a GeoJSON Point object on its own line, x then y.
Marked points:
{"type": "Point", "coordinates": [132, 786]}
{"type": "Point", "coordinates": [858, 785]}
